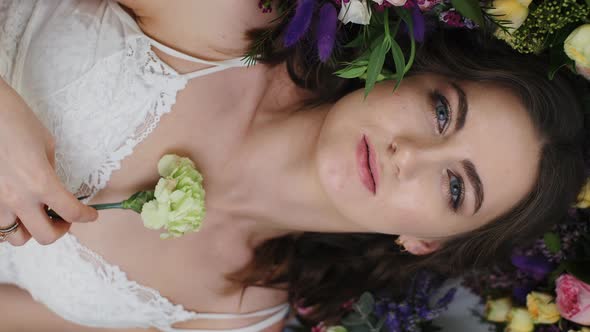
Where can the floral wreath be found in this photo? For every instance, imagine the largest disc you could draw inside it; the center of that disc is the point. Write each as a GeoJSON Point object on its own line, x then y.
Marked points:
{"type": "Point", "coordinates": [559, 27]}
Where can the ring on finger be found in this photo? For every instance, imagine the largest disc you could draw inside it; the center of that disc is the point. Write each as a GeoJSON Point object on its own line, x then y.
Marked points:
{"type": "Point", "coordinates": [5, 232]}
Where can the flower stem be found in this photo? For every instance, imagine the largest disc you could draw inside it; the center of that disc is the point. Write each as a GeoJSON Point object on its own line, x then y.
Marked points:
{"type": "Point", "coordinates": [106, 206]}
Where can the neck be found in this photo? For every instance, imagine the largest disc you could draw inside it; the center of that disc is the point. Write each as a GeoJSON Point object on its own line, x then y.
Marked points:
{"type": "Point", "coordinates": [210, 30]}
{"type": "Point", "coordinates": [275, 189]}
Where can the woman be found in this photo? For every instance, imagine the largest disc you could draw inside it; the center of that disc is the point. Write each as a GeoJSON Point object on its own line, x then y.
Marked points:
{"type": "Point", "coordinates": [454, 162]}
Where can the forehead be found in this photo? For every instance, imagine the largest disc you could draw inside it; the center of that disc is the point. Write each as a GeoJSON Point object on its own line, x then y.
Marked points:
{"type": "Point", "coordinates": [502, 142]}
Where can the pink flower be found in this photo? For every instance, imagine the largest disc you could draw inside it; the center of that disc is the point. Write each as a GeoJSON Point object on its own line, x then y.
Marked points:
{"type": "Point", "coordinates": [321, 327]}
{"type": "Point", "coordinates": [573, 299]}
{"type": "Point", "coordinates": [426, 5]}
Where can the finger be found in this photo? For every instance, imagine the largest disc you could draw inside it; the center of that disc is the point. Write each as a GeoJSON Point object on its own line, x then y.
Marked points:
{"type": "Point", "coordinates": [20, 236]}
{"type": "Point", "coordinates": [68, 207]}
{"type": "Point", "coordinates": [44, 230]}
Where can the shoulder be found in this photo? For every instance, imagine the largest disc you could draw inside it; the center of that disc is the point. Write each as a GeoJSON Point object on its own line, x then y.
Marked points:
{"type": "Point", "coordinates": [194, 27]}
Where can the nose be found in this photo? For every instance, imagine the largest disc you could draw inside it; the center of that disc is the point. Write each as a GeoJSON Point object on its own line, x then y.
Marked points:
{"type": "Point", "coordinates": [409, 158]}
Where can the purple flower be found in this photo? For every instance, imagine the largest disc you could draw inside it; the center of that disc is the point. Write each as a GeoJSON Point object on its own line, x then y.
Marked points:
{"type": "Point", "coordinates": [300, 22]}
{"type": "Point", "coordinates": [536, 267]}
{"type": "Point", "coordinates": [548, 328]}
{"type": "Point", "coordinates": [326, 31]}
{"type": "Point", "coordinates": [452, 18]}
{"type": "Point", "coordinates": [339, 2]}
{"type": "Point", "coordinates": [419, 24]}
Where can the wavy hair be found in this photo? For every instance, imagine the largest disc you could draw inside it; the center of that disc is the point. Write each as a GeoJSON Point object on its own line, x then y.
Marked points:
{"type": "Point", "coordinates": [324, 270]}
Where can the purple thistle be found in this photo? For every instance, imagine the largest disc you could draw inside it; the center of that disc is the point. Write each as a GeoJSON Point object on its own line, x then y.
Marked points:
{"type": "Point", "coordinates": [419, 24]}
{"type": "Point", "coordinates": [326, 31]}
{"type": "Point", "coordinates": [300, 22]}
{"type": "Point", "coordinates": [535, 266]}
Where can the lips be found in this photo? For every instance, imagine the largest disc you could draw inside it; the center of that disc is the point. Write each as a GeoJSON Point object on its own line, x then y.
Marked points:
{"type": "Point", "coordinates": [367, 164]}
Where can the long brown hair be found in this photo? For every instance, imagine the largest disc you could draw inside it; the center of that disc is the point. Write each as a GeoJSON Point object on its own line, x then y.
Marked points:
{"type": "Point", "coordinates": [325, 270]}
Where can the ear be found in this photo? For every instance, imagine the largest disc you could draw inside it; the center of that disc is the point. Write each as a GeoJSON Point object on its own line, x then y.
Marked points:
{"type": "Point", "coordinates": [417, 246]}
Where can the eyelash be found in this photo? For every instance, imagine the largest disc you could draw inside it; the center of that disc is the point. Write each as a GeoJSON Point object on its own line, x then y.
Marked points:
{"type": "Point", "coordinates": [455, 203]}
{"type": "Point", "coordinates": [438, 100]}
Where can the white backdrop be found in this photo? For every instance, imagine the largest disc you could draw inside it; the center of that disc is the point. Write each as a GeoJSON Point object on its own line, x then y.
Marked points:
{"type": "Point", "coordinates": [458, 318]}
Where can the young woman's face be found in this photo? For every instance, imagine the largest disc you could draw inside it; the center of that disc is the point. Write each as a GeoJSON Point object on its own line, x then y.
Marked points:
{"type": "Point", "coordinates": [434, 159]}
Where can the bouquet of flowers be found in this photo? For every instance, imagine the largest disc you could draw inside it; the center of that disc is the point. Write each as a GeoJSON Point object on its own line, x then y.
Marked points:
{"type": "Point", "coordinates": [547, 285]}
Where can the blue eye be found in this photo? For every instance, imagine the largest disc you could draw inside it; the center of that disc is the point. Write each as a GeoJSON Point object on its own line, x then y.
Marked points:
{"type": "Point", "coordinates": [456, 190]}
{"type": "Point", "coordinates": [442, 112]}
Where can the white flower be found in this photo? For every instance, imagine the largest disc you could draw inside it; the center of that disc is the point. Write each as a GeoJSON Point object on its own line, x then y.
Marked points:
{"type": "Point", "coordinates": [393, 2]}
{"type": "Point", "coordinates": [577, 46]}
{"type": "Point", "coordinates": [179, 204]}
{"type": "Point", "coordinates": [355, 11]}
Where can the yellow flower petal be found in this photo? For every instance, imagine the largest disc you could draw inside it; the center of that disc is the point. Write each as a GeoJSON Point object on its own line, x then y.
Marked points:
{"type": "Point", "coordinates": [542, 308]}
{"type": "Point", "coordinates": [497, 310]}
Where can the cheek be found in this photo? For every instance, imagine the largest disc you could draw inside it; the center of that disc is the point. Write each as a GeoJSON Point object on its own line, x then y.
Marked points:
{"type": "Point", "coordinates": [413, 207]}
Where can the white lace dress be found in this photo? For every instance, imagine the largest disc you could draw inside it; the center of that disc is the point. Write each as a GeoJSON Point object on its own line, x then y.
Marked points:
{"type": "Point", "coordinates": [88, 72]}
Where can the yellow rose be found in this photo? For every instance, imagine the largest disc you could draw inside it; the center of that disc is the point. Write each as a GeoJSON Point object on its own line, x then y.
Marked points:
{"type": "Point", "coordinates": [577, 46]}
{"type": "Point", "coordinates": [497, 310]}
{"type": "Point", "coordinates": [542, 308]}
{"type": "Point", "coordinates": [584, 197]}
{"type": "Point", "coordinates": [519, 320]}
{"type": "Point", "coordinates": [514, 11]}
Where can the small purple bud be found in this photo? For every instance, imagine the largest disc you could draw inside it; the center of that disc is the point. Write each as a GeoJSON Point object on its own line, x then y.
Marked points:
{"type": "Point", "coordinates": [326, 31]}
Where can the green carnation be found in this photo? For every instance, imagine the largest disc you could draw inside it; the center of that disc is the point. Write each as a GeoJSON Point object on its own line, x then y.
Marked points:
{"type": "Point", "coordinates": [179, 204]}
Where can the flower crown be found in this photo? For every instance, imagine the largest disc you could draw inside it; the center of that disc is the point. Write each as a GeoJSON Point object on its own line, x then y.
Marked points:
{"type": "Point", "coordinates": [559, 27]}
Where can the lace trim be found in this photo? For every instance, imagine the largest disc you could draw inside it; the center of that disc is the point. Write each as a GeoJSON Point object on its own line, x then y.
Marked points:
{"type": "Point", "coordinates": [15, 16]}
{"type": "Point", "coordinates": [151, 67]}
{"type": "Point", "coordinates": [146, 296]}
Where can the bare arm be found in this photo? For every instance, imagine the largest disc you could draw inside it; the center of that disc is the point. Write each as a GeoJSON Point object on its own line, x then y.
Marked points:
{"type": "Point", "coordinates": [19, 312]}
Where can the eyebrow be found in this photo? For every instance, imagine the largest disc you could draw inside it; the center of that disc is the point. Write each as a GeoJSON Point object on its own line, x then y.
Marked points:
{"type": "Point", "coordinates": [463, 107]}
{"type": "Point", "coordinates": [475, 181]}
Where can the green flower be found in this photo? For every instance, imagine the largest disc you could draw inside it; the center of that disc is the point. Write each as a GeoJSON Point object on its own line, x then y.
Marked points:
{"type": "Point", "coordinates": [179, 204]}
{"type": "Point", "coordinates": [337, 328]}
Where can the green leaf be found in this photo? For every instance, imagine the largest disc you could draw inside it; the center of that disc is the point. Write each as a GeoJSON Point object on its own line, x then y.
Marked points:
{"type": "Point", "coordinates": [358, 41]}
{"type": "Point", "coordinates": [552, 242]}
{"type": "Point", "coordinates": [358, 328]}
{"type": "Point", "coordinates": [400, 63]}
{"type": "Point", "coordinates": [366, 303]}
{"type": "Point", "coordinates": [137, 200]}
{"type": "Point", "coordinates": [588, 2]}
{"type": "Point", "coordinates": [469, 9]}
{"type": "Point", "coordinates": [353, 319]}
{"type": "Point", "coordinates": [380, 323]}
{"type": "Point", "coordinates": [351, 72]}
{"type": "Point", "coordinates": [376, 61]}
{"type": "Point", "coordinates": [579, 269]}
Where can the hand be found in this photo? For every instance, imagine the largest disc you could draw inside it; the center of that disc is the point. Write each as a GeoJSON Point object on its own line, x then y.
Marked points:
{"type": "Point", "coordinates": [28, 182]}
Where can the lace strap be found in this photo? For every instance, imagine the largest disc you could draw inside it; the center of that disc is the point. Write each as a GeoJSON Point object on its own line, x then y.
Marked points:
{"type": "Point", "coordinates": [217, 65]}
{"type": "Point", "coordinates": [259, 313]}
{"type": "Point", "coordinates": [279, 313]}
